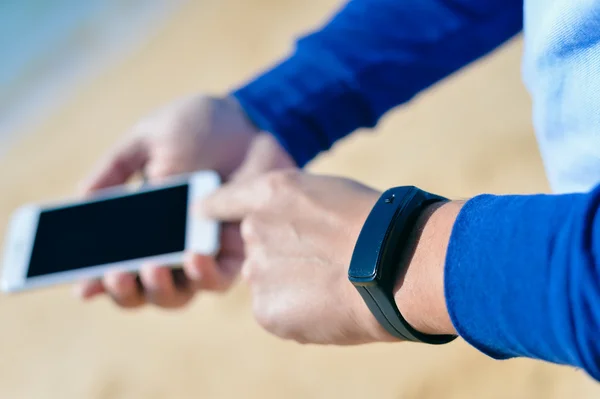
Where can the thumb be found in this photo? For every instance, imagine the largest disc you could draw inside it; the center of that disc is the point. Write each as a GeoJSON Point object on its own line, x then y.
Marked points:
{"type": "Point", "coordinates": [127, 159]}
{"type": "Point", "coordinates": [264, 154]}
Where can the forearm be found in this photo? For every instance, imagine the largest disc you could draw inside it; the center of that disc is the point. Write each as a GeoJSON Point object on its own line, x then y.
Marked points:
{"type": "Point", "coordinates": [520, 276]}
{"type": "Point", "coordinates": [372, 56]}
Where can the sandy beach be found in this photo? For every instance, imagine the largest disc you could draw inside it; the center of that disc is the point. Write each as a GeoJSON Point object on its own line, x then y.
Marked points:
{"type": "Point", "coordinates": [471, 134]}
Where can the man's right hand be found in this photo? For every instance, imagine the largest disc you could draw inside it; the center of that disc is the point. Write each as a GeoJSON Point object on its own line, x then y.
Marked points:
{"type": "Point", "coordinates": [191, 134]}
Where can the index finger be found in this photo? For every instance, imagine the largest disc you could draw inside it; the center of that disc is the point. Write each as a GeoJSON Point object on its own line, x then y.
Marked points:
{"type": "Point", "coordinates": [233, 201]}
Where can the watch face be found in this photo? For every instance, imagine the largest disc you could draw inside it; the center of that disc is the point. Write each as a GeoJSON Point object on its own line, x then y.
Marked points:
{"type": "Point", "coordinates": [365, 259]}
{"type": "Point", "coordinates": [363, 269]}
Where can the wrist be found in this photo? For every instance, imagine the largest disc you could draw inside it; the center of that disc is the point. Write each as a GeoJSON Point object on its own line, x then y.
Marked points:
{"type": "Point", "coordinates": [277, 154]}
{"type": "Point", "coordinates": [233, 106]}
{"type": "Point", "coordinates": [419, 292]}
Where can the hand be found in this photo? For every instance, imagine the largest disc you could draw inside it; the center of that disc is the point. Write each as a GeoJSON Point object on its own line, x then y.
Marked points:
{"type": "Point", "coordinates": [188, 135]}
{"type": "Point", "coordinates": [299, 232]}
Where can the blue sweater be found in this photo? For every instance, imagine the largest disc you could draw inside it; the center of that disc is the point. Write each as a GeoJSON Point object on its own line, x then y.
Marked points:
{"type": "Point", "coordinates": [522, 277]}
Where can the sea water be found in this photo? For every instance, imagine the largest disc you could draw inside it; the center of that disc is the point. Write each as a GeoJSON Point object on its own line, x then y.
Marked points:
{"type": "Point", "coordinates": [48, 48]}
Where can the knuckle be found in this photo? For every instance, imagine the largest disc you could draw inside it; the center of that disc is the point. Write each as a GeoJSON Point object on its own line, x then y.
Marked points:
{"type": "Point", "coordinates": [249, 228]}
{"type": "Point", "coordinates": [266, 319]}
{"type": "Point", "coordinates": [128, 303]}
{"type": "Point", "coordinates": [275, 323]}
{"type": "Point", "coordinates": [272, 187]}
{"type": "Point", "coordinates": [301, 340]}
{"type": "Point", "coordinates": [288, 332]}
{"type": "Point", "coordinates": [175, 302]}
{"type": "Point", "coordinates": [158, 297]}
{"type": "Point", "coordinates": [218, 286]}
{"type": "Point", "coordinates": [282, 180]}
{"type": "Point", "coordinates": [119, 163]}
{"type": "Point", "coordinates": [250, 270]}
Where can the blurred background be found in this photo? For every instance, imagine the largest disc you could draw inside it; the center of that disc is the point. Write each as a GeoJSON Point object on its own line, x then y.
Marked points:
{"type": "Point", "coordinates": [75, 75]}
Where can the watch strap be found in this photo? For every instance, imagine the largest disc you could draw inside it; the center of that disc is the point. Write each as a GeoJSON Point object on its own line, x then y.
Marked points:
{"type": "Point", "coordinates": [387, 228]}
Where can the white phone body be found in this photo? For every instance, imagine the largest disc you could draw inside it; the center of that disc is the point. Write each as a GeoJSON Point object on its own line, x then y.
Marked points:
{"type": "Point", "coordinates": [201, 235]}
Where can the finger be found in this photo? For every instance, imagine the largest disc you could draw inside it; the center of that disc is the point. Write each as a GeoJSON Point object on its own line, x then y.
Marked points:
{"type": "Point", "coordinates": [221, 272]}
{"type": "Point", "coordinates": [208, 274]}
{"type": "Point", "coordinates": [123, 289]}
{"type": "Point", "coordinates": [89, 289]}
{"type": "Point", "coordinates": [233, 201]}
{"type": "Point", "coordinates": [119, 166]}
{"type": "Point", "coordinates": [232, 244]}
{"type": "Point", "coordinates": [160, 288]}
{"type": "Point", "coordinates": [180, 279]}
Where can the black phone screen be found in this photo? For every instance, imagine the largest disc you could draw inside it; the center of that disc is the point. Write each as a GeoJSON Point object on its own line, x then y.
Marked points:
{"type": "Point", "coordinates": [110, 230]}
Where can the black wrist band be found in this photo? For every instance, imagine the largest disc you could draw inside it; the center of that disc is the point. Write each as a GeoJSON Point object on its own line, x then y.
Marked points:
{"type": "Point", "coordinates": [377, 258]}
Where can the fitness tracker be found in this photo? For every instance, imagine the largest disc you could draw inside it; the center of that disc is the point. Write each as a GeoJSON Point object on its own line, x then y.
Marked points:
{"type": "Point", "coordinates": [377, 259]}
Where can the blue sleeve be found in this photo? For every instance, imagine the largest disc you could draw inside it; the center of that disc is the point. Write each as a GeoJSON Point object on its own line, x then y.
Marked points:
{"type": "Point", "coordinates": [373, 55]}
{"type": "Point", "coordinates": [522, 277]}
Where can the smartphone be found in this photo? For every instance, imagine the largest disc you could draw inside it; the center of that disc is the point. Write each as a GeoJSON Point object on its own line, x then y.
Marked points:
{"type": "Point", "coordinates": [119, 228]}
